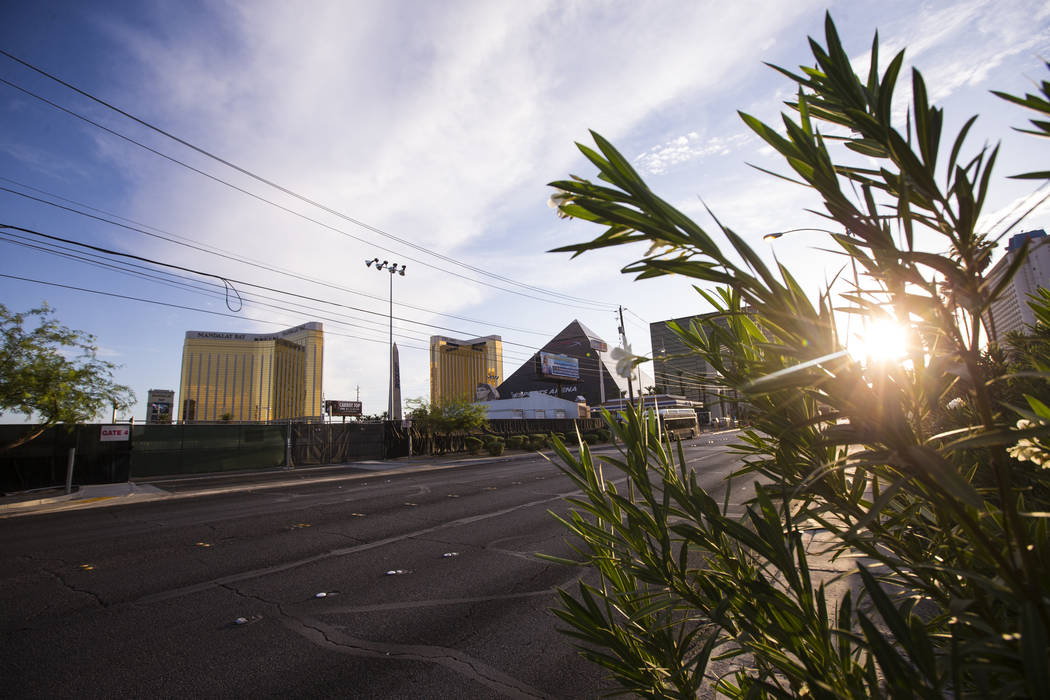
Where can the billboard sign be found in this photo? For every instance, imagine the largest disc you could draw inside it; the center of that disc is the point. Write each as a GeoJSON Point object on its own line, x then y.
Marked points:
{"type": "Point", "coordinates": [159, 405]}
{"type": "Point", "coordinates": [559, 367]}
{"type": "Point", "coordinates": [115, 433]}
{"type": "Point", "coordinates": [343, 408]}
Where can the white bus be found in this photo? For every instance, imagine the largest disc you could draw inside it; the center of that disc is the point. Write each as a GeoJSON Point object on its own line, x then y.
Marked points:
{"type": "Point", "coordinates": [679, 423]}
{"type": "Point", "coordinates": [676, 423]}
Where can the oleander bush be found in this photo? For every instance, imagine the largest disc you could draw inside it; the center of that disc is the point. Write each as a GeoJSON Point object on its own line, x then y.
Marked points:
{"type": "Point", "coordinates": [943, 507]}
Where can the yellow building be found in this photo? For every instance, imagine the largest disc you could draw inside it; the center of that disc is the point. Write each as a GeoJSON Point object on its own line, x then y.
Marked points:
{"type": "Point", "coordinates": [253, 376]}
{"type": "Point", "coordinates": [458, 366]}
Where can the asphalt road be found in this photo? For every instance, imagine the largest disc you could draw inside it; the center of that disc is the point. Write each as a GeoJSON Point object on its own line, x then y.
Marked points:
{"type": "Point", "coordinates": [431, 589]}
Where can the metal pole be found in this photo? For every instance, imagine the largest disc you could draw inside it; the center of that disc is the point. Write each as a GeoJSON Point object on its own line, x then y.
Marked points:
{"type": "Point", "coordinates": [69, 469]}
{"type": "Point", "coordinates": [623, 334]}
{"type": "Point", "coordinates": [288, 445]}
{"type": "Point", "coordinates": [390, 399]}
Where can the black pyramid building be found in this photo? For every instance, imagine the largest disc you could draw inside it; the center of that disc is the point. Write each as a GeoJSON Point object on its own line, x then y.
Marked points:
{"type": "Point", "coordinates": [595, 369]}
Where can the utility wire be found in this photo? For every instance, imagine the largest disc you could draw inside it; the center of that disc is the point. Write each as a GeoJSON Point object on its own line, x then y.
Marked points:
{"type": "Point", "coordinates": [211, 289]}
{"type": "Point", "coordinates": [213, 250]}
{"type": "Point", "coordinates": [522, 358]}
{"type": "Point", "coordinates": [228, 281]}
{"type": "Point", "coordinates": [382, 341]}
{"type": "Point", "coordinates": [179, 281]}
{"type": "Point", "coordinates": [287, 209]}
{"type": "Point", "coordinates": [236, 281]}
{"type": "Point", "coordinates": [288, 191]}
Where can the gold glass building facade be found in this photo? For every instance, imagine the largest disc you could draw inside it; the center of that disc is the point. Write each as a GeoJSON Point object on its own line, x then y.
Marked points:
{"type": "Point", "coordinates": [252, 376]}
{"type": "Point", "coordinates": [458, 366]}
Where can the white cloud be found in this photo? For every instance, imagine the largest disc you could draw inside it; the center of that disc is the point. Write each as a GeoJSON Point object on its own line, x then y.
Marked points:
{"type": "Point", "coordinates": [682, 149]}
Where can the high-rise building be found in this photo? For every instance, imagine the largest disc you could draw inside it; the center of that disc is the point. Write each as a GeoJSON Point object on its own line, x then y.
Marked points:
{"type": "Point", "coordinates": [458, 366]}
{"type": "Point", "coordinates": [1010, 312]}
{"type": "Point", "coordinates": [681, 371]}
{"type": "Point", "coordinates": [677, 369]}
{"type": "Point", "coordinates": [253, 376]}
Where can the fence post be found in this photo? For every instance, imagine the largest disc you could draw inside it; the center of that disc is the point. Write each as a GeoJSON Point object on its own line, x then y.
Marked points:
{"type": "Point", "coordinates": [288, 446]}
{"type": "Point", "coordinates": [69, 469]}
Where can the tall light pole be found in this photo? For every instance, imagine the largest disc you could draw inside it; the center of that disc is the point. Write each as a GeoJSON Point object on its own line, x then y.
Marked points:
{"type": "Point", "coordinates": [392, 268]}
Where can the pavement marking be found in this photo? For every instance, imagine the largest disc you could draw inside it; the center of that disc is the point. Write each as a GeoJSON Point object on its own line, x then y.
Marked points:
{"type": "Point", "coordinates": [343, 551]}
{"type": "Point", "coordinates": [411, 604]}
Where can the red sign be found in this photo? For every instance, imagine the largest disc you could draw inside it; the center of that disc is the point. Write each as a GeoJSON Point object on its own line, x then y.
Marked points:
{"type": "Point", "coordinates": [115, 433]}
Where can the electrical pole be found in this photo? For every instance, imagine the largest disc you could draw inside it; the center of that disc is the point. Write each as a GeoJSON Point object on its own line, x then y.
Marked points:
{"type": "Point", "coordinates": [623, 337]}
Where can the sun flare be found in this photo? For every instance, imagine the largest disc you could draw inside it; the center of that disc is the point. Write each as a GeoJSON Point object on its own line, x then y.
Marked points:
{"type": "Point", "coordinates": [882, 341]}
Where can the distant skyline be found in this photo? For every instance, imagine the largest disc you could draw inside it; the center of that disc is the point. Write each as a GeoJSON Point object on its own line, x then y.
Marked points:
{"type": "Point", "coordinates": [427, 132]}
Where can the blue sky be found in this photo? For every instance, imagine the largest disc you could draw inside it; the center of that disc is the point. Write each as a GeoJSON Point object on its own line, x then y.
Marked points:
{"type": "Point", "coordinates": [439, 124]}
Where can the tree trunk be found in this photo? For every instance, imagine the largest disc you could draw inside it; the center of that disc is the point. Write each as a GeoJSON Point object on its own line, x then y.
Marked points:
{"type": "Point", "coordinates": [28, 437]}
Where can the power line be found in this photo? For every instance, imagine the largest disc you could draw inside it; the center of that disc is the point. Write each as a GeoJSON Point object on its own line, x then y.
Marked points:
{"type": "Point", "coordinates": [184, 307]}
{"type": "Point", "coordinates": [99, 260]}
{"type": "Point", "coordinates": [196, 245]}
{"type": "Point", "coordinates": [143, 272]}
{"type": "Point", "coordinates": [284, 208]}
{"type": "Point", "coordinates": [381, 341]}
{"type": "Point", "coordinates": [281, 188]}
{"type": "Point", "coordinates": [123, 268]}
{"type": "Point", "coordinates": [232, 280]}
{"type": "Point", "coordinates": [227, 283]}
{"type": "Point", "coordinates": [584, 371]}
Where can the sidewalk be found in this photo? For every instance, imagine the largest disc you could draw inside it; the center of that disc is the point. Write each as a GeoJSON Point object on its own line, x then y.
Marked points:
{"type": "Point", "coordinates": [176, 486]}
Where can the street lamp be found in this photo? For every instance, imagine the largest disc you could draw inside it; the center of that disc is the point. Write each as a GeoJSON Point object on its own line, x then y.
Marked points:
{"type": "Point", "coordinates": [853, 261]}
{"type": "Point", "coordinates": [392, 268]}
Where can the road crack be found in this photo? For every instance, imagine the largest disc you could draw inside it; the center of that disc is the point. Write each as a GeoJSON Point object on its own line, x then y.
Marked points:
{"type": "Point", "coordinates": [82, 591]}
{"type": "Point", "coordinates": [330, 637]}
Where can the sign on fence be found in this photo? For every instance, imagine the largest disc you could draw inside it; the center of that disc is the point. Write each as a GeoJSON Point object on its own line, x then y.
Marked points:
{"type": "Point", "coordinates": [115, 433]}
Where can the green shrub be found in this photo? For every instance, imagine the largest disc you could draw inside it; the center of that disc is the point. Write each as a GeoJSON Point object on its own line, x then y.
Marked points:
{"type": "Point", "coordinates": [495, 447]}
{"type": "Point", "coordinates": [537, 442]}
{"type": "Point", "coordinates": [954, 598]}
{"type": "Point", "coordinates": [603, 435]}
{"type": "Point", "coordinates": [473, 444]}
{"type": "Point", "coordinates": [590, 438]}
{"type": "Point", "coordinates": [517, 442]}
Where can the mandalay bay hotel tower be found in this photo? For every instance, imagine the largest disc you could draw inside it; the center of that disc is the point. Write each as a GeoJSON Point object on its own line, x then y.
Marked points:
{"type": "Point", "coordinates": [457, 367]}
{"type": "Point", "coordinates": [253, 376]}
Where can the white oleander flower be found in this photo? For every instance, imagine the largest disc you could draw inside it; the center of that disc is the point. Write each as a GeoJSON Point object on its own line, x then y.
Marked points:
{"type": "Point", "coordinates": [956, 403]}
{"type": "Point", "coordinates": [1030, 449]}
{"type": "Point", "coordinates": [624, 360]}
{"type": "Point", "coordinates": [559, 199]}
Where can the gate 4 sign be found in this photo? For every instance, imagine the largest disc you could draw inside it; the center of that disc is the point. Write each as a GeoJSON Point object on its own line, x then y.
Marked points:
{"type": "Point", "coordinates": [115, 433]}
